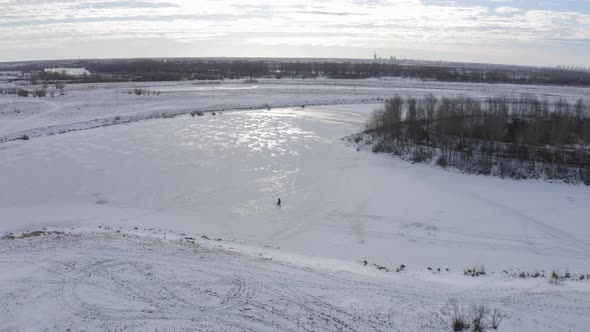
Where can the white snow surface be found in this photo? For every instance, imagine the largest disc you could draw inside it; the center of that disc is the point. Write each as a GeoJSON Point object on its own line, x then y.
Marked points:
{"type": "Point", "coordinates": [69, 71]}
{"type": "Point", "coordinates": [248, 264]}
{"type": "Point", "coordinates": [92, 105]}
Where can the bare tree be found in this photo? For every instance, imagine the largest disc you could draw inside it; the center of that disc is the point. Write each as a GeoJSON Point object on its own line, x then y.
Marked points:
{"type": "Point", "coordinates": [517, 135]}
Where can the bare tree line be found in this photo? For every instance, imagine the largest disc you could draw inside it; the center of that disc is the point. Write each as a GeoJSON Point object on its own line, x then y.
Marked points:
{"type": "Point", "coordinates": [37, 92]}
{"type": "Point", "coordinates": [146, 70]}
{"type": "Point", "coordinates": [517, 137]}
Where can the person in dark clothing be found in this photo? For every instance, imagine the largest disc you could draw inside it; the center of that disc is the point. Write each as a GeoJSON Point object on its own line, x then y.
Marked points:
{"type": "Point", "coordinates": [279, 202]}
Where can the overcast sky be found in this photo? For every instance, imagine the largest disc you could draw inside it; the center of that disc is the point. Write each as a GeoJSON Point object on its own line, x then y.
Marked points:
{"type": "Point", "coordinates": [527, 32]}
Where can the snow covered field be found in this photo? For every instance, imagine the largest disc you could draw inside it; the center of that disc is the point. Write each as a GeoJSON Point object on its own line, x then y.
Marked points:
{"type": "Point", "coordinates": [92, 105]}
{"type": "Point", "coordinates": [312, 264]}
{"type": "Point", "coordinates": [136, 280]}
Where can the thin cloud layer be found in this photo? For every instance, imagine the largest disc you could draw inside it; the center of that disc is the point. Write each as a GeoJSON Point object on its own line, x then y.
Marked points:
{"type": "Point", "coordinates": [486, 30]}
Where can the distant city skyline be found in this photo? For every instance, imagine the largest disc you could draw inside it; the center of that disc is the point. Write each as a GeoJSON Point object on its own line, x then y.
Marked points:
{"type": "Point", "coordinates": [522, 32]}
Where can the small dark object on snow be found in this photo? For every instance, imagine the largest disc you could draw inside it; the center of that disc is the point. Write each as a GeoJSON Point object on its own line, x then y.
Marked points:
{"type": "Point", "coordinates": [279, 202]}
{"type": "Point", "coordinates": [381, 268]}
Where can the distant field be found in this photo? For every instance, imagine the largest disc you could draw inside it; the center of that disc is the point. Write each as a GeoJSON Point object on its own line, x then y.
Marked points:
{"type": "Point", "coordinates": [91, 105]}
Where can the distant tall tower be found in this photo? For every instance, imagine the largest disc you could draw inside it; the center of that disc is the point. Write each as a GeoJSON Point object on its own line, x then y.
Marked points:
{"type": "Point", "coordinates": [375, 55]}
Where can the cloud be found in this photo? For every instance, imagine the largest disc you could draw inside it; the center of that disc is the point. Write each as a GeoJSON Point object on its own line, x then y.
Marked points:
{"type": "Point", "coordinates": [368, 24]}
{"type": "Point", "coordinates": [507, 10]}
{"type": "Point", "coordinates": [123, 4]}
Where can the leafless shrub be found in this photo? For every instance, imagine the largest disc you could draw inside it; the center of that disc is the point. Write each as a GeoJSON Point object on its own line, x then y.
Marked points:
{"type": "Point", "coordinates": [8, 237]}
{"type": "Point", "coordinates": [458, 319]}
{"type": "Point", "coordinates": [477, 315]}
{"type": "Point", "coordinates": [477, 318]}
{"type": "Point", "coordinates": [496, 318]}
{"type": "Point", "coordinates": [475, 271]}
{"type": "Point", "coordinates": [554, 280]}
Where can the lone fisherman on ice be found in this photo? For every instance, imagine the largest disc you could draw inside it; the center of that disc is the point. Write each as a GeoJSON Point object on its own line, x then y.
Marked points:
{"type": "Point", "coordinates": [279, 202]}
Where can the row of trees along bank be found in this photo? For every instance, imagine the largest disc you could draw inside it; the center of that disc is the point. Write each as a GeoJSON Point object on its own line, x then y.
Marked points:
{"type": "Point", "coordinates": [521, 137]}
